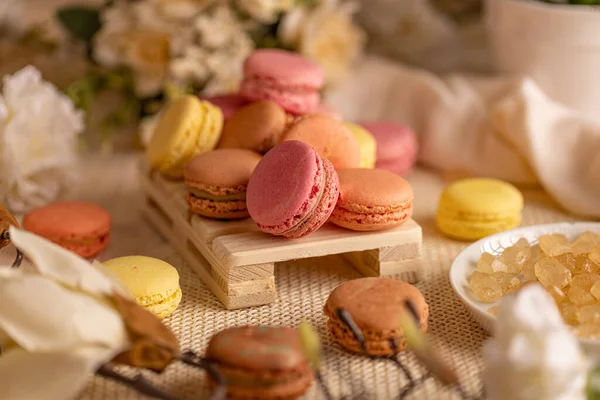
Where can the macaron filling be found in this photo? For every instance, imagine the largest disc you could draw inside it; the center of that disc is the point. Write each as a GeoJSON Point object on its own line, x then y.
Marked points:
{"type": "Point", "coordinates": [205, 195]}
{"type": "Point", "coordinates": [87, 240]}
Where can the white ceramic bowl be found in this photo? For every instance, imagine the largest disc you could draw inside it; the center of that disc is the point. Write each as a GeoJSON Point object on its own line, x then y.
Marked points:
{"type": "Point", "coordinates": [466, 262]}
{"type": "Point", "coordinates": [556, 45]}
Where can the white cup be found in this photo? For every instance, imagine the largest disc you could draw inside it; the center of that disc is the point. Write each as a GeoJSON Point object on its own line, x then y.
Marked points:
{"type": "Point", "coordinates": [558, 46]}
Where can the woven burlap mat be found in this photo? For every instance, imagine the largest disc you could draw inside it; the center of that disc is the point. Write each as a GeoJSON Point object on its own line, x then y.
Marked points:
{"type": "Point", "coordinates": [303, 288]}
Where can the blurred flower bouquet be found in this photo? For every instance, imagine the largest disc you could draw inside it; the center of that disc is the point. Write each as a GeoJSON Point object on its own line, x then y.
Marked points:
{"type": "Point", "coordinates": [152, 50]}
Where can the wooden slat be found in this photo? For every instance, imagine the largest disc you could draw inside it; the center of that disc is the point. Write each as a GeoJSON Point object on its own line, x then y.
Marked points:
{"type": "Point", "coordinates": [209, 229]}
{"type": "Point", "coordinates": [257, 247]}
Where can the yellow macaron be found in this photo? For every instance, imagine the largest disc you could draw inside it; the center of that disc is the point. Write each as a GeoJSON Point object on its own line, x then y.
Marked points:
{"type": "Point", "coordinates": [153, 282]}
{"type": "Point", "coordinates": [186, 128]}
{"type": "Point", "coordinates": [471, 209]}
{"type": "Point", "coordinates": [366, 143]}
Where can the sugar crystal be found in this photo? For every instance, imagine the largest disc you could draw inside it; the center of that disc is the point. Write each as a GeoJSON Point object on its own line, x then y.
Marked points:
{"type": "Point", "coordinates": [554, 245]}
{"type": "Point", "coordinates": [552, 273]}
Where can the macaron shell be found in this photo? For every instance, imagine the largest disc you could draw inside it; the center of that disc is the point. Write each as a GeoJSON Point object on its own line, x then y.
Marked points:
{"type": "Point", "coordinates": [284, 68]}
{"type": "Point", "coordinates": [221, 168]}
{"type": "Point", "coordinates": [175, 133]}
{"type": "Point", "coordinates": [329, 137]}
{"type": "Point", "coordinates": [153, 282]}
{"type": "Point", "coordinates": [321, 213]}
{"type": "Point", "coordinates": [366, 143]}
{"type": "Point", "coordinates": [376, 305]}
{"type": "Point", "coordinates": [372, 199]}
{"type": "Point", "coordinates": [257, 127]}
{"type": "Point", "coordinates": [397, 146]}
{"type": "Point", "coordinates": [81, 227]}
{"type": "Point", "coordinates": [283, 184]}
{"type": "Point", "coordinates": [482, 196]}
{"type": "Point", "coordinates": [291, 385]}
{"type": "Point", "coordinates": [186, 128]}
{"type": "Point", "coordinates": [296, 102]}
{"type": "Point", "coordinates": [471, 229]}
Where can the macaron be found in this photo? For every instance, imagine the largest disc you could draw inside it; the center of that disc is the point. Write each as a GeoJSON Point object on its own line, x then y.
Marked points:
{"type": "Point", "coordinates": [366, 143]}
{"type": "Point", "coordinates": [376, 306]}
{"type": "Point", "coordinates": [216, 182]}
{"type": "Point", "coordinates": [256, 126]}
{"type": "Point", "coordinates": [292, 191]}
{"type": "Point", "coordinates": [261, 362]}
{"type": "Point", "coordinates": [287, 78]}
{"type": "Point", "coordinates": [471, 209]}
{"type": "Point", "coordinates": [372, 200]}
{"type": "Point", "coordinates": [81, 227]}
{"type": "Point", "coordinates": [329, 137]}
{"type": "Point", "coordinates": [228, 103]}
{"type": "Point", "coordinates": [187, 127]}
{"type": "Point", "coordinates": [397, 146]}
{"type": "Point", "coordinates": [153, 283]}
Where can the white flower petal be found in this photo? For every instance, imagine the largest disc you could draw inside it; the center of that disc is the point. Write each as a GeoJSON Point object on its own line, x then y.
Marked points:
{"type": "Point", "coordinates": [47, 376]}
{"type": "Point", "coordinates": [43, 316]}
{"type": "Point", "coordinates": [64, 266]}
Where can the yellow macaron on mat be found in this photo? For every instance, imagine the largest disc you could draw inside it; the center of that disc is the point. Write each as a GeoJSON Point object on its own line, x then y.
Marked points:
{"type": "Point", "coordinates": [471, 209]}
{"type": "Point", "coordinates": [366, 143]}
{"type": "Point", "coordinates": [187, 127]}
{"type": "Point", "coordinates": [153, 283]}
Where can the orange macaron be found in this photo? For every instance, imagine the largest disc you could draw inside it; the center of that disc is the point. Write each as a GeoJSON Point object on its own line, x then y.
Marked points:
{"type": "Point", "coordinates": [372, 200]}
{"type": "Point", "coordinates": [83, 228]}
{"type": "Point", "coordinates": [331, 138]}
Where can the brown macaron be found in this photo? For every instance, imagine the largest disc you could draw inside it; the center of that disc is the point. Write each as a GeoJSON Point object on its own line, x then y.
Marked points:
{"type": "Point", "coordinates": [216, 182]}
{"type": "Point", "coordinates": [376, 305]}
{"type": "Point", "coordinates": [261, 362]}
{"type": "Point", "coordinates": [256, 126]}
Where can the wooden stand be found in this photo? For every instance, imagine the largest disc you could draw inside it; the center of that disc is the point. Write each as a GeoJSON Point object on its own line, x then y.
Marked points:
{"type": "Point", "coordinates": [237, 261]}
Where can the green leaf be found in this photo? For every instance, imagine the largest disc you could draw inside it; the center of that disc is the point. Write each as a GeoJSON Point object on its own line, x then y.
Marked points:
{"type": "Point", "coordinates": [81, 22]}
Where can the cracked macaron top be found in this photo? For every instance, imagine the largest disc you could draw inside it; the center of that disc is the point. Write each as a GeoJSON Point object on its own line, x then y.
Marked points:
{"type": "Point", "coordinates": [292, 191]}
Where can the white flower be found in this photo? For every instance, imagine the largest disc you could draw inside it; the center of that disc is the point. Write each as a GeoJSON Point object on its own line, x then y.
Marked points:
{"type": "Point", "coordinates": [137, 36]}
{"type": "Point", "coordinates": [57, 325]}
{"type": "Point", "coordinates": [533, 354]}
{"type": "Point", "coordinates": [39, 128]}
{"type": "Point", "coordinates": [264, 11]}
{"type": "Point", "coordinates": [325, 34]}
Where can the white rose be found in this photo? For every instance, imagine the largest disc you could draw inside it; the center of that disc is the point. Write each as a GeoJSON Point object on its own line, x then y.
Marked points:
{"type": "Point", "coordinates": [58, 324]}
{"type": "Point", "coordinates": [533, 354]}
{"type": "Point", "coordinates": [39, 128]}
{"type": "Point", "coordinates": [327, 35]}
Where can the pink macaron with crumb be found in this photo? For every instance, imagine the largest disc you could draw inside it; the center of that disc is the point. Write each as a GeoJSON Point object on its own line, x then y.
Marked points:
{"type": "Point", "coordinates": [287, 78]}
{"type": "Point", "coordinates": [292, 191]}
{"type": "Point", "coordinates": [397, 146]}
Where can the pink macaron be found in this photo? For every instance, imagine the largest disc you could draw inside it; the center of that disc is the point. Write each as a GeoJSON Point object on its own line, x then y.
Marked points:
{"type": "Point", "coordinates": [292, 191]}
{"type": "Point", "coordinates": [228, 103]}
{"type": "Point", "coordinates": [397, 146]}
{"type": "Point", "coordinates": [287, 78]}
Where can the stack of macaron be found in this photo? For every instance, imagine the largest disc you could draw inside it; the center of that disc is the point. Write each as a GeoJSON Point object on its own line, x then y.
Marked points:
{"type": "Point", "coordinates": [274, 152]}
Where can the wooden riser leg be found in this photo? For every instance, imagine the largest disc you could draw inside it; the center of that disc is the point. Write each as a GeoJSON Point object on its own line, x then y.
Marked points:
{"type": "Point", "coordinates": [404, 260]}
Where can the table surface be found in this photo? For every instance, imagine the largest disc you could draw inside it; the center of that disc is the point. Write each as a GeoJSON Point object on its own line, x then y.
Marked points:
{"type": "Point", "coordinates": [303, 288]}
